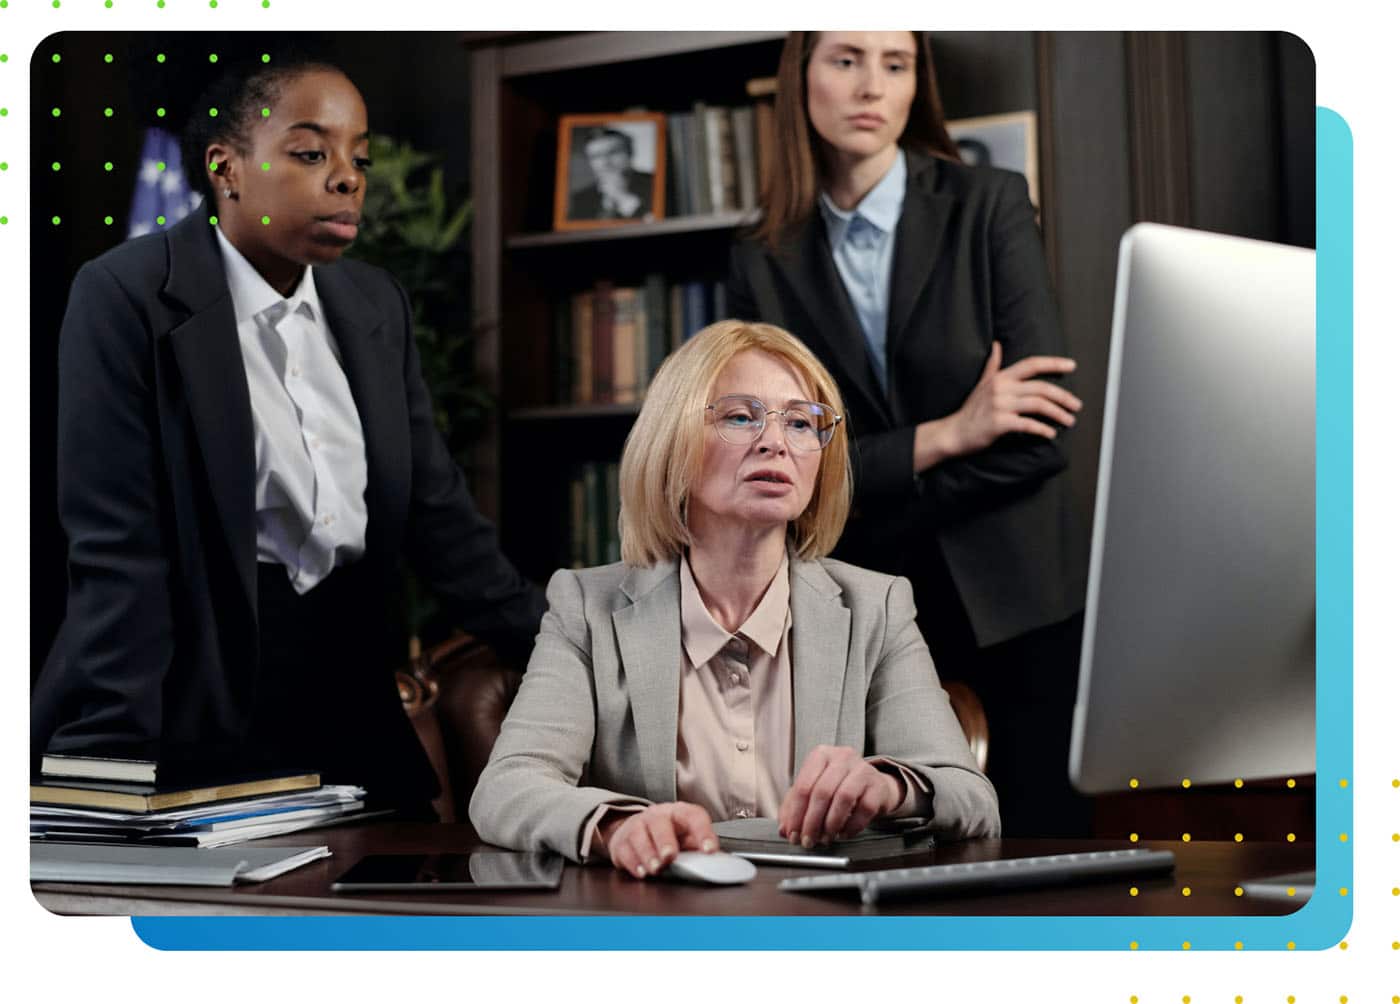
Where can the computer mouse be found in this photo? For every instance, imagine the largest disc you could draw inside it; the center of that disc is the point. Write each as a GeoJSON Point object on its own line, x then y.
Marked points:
{"type": "Point", "coordinates": [712, 869]}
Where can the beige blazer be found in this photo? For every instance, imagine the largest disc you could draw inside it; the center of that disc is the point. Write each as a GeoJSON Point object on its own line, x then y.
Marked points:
{"type": "Point", "coordinates": [596, 716]}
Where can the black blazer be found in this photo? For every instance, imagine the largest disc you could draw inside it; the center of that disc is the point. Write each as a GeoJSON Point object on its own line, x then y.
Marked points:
{"type": "Point", "coordinates": [159, 646]}
{"type": "Point", "coordinates": [968, 269]}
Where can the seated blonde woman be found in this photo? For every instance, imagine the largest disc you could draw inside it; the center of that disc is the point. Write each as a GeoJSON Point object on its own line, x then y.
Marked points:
{"type": "Point", "coordinates": [726, 668]}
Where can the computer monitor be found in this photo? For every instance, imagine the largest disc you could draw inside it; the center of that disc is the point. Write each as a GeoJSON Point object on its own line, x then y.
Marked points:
{"type": "Point", "coordinates": [1198, 658]}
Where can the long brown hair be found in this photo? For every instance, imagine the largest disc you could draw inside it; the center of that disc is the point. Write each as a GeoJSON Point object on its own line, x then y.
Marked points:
{"type": "Point", "coordinates": [790, 188]}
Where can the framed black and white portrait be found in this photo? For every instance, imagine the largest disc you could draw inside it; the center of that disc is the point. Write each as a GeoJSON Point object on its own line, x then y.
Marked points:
{"type": "Point", "coordinates": [611, 170]}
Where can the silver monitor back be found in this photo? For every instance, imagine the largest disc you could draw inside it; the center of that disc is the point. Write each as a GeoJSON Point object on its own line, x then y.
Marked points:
{"type": "Point", "coordinates": [1198, 659]}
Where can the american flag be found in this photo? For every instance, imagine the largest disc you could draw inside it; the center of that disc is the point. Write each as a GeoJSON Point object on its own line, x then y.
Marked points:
{"type": "Point", "coordinates": [161, 188]}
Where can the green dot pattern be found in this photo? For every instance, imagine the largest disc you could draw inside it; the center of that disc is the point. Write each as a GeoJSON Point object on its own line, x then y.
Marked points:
{"type": "Point", "coordinates": [107, 113]}
{"type": "Point", "coordinates": [213, 220]}
{"type": "Point", "coordinates": [107, 58]}
{"type": "Point", "coordinates": [160, 113]}
{"type": "Point", "coordinates": [57, 58]}
{"type": "Point", "coordinates": [107, 220]}
{"type": "Point", "coordinates": [266, 58]}
{"type": "Point", "coordinates": [57, 220]}
{"type": "Point", "coordinates": [213, 57]}
{"type": "Point", "coordinates": [57, 112]}
{"type": "Point", "coordinates": [57, 166]}
{"type": "Point", "coordinates": [160, 165]}
{"type": "Point", "coordinates": [107, 166]}
{"type": "Point", "coordinates": [160, 57]}
{"type": "Point", "coordinates": [266, 166]}
{"type": "Point", "coordinates": [160, 221]}
{"type": "Point", "coordinates": [266, 112]}
{"type": "Point", "coordinates": [266, 220]}
{"type": "Point", "coordinates": [213, 113]}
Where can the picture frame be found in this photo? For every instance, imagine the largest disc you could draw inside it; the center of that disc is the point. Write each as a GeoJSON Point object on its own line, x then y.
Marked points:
{"type": "Point", "coordinates": [611, 170]}
{"type": "Point", "coordinates": [1007, 141]}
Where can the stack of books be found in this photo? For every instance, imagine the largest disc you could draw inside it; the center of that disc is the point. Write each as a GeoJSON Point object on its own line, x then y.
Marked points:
{"type": "Point", "coordinates": [81, 798]}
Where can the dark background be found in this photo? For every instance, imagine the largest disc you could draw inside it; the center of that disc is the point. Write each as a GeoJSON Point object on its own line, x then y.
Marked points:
{"type": "Point", "coordinates": [1210, 130]}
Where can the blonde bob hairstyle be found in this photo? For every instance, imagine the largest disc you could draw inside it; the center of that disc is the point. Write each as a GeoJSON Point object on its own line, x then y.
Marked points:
{"type": "Point", "coordinates": [664, 450]}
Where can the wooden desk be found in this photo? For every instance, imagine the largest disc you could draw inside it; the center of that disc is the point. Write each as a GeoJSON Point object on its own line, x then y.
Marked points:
{"type": "Point", "coordinates": [1210, 869]}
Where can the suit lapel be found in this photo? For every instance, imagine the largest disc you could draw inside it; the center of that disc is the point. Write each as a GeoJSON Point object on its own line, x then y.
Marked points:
{"type": "Point", "coordinates": [819, 289]}
{"type": "Point", "coordinates": [649, 640]}
{"type": "Point", "coordinates": [206, 351]}
{"type": "Point", "coordinates": [821, 640]}
{"type": "Point", "coordinates": [376, 384]}
{"type": "Point", "coordinates": [922, 222]}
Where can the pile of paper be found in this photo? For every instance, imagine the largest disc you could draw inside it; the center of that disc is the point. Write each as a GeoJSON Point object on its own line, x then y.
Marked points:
{"type": "Point", "coordinates": [209, 825]}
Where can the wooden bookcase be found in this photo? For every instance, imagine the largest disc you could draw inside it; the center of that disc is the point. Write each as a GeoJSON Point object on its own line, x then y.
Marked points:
{"type": "Point", "coordinates": [521, 85]}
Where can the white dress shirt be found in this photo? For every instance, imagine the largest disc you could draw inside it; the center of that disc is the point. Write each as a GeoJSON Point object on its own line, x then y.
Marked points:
{"type": "Point", "coordinates": [308, 443]}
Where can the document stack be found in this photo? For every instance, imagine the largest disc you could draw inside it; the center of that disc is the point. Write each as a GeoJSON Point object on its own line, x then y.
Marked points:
{"type": "Point", "coordinates": [91, 799]}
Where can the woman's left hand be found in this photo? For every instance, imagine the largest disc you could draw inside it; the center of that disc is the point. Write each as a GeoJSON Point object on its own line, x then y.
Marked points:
{"type": "Point", "coordinates": [837, 793]}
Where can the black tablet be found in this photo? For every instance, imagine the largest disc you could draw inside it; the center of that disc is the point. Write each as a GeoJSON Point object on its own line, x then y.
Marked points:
{"type": "Point", "coordinates": [487, 870]}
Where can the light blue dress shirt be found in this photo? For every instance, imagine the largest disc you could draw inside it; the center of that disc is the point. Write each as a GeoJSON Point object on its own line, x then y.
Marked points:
{"type": "Point", "coordinates": [862, 247]}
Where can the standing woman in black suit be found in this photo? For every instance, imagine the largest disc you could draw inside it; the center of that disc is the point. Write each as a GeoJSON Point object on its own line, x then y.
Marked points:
{"type": "Point", "coordinates": [246, 451]}
{"type": "Point", "coordinates": [921, 284]}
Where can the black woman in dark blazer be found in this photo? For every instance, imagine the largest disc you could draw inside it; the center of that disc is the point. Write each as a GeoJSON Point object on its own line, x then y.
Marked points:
{"type": "Point", "coordinates": [246, 453]}
{"type": "Point", "coordinates": [921, 284]}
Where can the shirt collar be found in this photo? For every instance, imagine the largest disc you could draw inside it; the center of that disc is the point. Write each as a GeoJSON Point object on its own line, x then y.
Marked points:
{"type": "Point", "coordinates": [252, 295]}
{"type": "Point", "coordinates": [702, 637]}
{"type": "Point", "coordinates": [880, 207]}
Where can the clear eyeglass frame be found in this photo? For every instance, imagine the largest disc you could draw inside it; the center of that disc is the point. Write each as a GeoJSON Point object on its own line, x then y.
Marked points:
{"type": "Point", "coordinates": [807, 426]}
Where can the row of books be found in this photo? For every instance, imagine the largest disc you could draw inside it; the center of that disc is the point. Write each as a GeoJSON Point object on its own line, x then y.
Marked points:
{"type": "Point", "coordinates": [610, 340]}
{"type": "Point", "coordinates": [593, 511]}
{"type": "Point", "coordinates": [718, 156]}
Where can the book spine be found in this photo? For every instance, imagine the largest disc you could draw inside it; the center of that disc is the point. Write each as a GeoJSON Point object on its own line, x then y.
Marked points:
{"type": "Point", "coordinates": [675, 316]}
{"type": "Point", "coordinates": [624, 341]}
{"type": "Point", "coordinates": [583, 348]}
{"type": "Point", "coordinates": [701, 161]}
{"type": "Point", "coordinates": [657, 341]}
{"type": "Point", "coordinates": [745, 166]}
{"type": "Point", "coordinates": [602, 342]}
{"type": "Point", "coordinates": [715, 157]}
{"type": "Point", "coordinates": [612, 549]}
{"type": "Point", "coordinates": [578, 519]}
{"type": "Point", "coordinates": [676, 171]}
{"type": "Point", "coordinates": [592, 491]}
{"type": "Point", "coordinates": [695, 308]}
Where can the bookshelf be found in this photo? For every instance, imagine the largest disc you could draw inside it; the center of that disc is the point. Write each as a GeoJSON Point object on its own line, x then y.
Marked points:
{"type": "Point", "coordinates": [528, 279]}
{"type": "Point", "coordinates": [525, 274]}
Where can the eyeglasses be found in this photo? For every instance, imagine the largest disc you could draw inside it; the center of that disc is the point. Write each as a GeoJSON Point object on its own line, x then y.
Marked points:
{"type": "Point", "coordinates": [806, 425]}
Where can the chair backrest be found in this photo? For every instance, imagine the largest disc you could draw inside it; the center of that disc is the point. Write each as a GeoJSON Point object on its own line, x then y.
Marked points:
{"type": "Point", "coordinates": [457, 695]}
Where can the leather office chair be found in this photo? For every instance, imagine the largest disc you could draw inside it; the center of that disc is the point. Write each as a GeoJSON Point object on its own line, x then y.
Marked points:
{"type": "Point", "coordinates": [457, 694]}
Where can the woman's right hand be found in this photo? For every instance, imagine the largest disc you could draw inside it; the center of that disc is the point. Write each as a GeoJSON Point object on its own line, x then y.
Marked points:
{"type": "Point", "coordinates": [643, 843]}
{"type": "Point", "coordinates": [1004, 400]}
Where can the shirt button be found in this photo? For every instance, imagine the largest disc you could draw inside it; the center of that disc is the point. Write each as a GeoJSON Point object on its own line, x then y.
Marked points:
{"type": "Point", "coordinates": [734, 679]}
{"type": "Point", "coordinates": [742, 814]}
{"type": "Point", "coordinates": [296, 371]}
{"type": "Point", "coordinates": [741, 746]}
{"type": "Point", "coordinates": [328, 519]}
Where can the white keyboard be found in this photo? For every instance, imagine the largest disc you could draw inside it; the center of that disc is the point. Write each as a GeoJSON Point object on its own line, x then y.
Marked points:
{"type": "Point", "coordinates": [987, 876]}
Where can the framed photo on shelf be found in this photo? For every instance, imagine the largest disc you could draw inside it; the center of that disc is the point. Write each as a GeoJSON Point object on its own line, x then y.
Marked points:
{"type": "Point", "coordinates": [1007, 141]}
{"type": "Point", "coordinates": [611, 170]}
